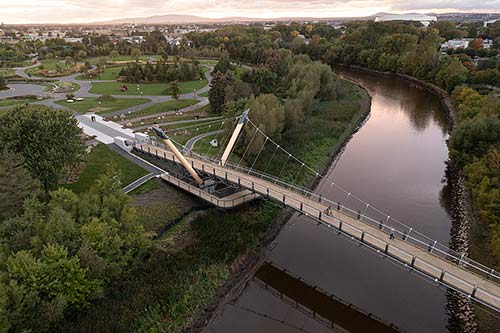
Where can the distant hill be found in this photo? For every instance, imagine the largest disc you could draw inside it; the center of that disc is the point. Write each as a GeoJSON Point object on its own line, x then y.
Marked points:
{"type": "Point", "coordinates": [159, 19]}
{"type": "Point", "coordinates": [174, 19]}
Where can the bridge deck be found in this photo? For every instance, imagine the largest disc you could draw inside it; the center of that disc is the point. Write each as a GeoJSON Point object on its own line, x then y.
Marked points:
{"type": "Point", "coordinates": [230, 201]}
{"type": "Point", "coordinates": [418, 258]}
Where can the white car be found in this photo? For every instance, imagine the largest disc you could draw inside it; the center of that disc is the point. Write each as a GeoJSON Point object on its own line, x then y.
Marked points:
{"type": "Point", "coordinates": [70, 101]}
{"type": "Point", "coordinates": [79, 99]}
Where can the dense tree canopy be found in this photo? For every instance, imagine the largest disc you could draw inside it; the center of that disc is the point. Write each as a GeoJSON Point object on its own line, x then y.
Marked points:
{"type": "Point", "coordinates": [47, 139]}
{"type": "Point", "coordinates": [58, 255]}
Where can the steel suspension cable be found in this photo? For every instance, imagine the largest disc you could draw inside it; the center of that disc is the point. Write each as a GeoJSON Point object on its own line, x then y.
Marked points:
{"type": "Point", "coordinates": [248, 147]}
{"type": "Point", "coordinates": [256, 158]}
{"type": "Point", "coordinates": [269, 162]}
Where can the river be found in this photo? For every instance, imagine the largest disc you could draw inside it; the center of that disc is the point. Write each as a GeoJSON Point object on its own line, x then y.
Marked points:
{"type": "Point", "coordinates": [395, 162]}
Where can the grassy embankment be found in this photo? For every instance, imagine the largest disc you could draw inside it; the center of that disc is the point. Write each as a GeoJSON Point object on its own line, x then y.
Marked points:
{"type": "Point", "coordinates": [91, 104]}
{"type": "Point", "coordinates": [162, 107]}
{"type": "Point", "coordinates": [148, 89]}
{"type": "Point", "coordinates": [96, 163]}
{"type": "Point", "coordinates": [196, 257]}
{"type": "Point", "coordinates": [201, 112]}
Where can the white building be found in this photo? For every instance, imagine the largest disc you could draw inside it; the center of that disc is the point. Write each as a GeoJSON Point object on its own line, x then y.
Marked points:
{"type": "Point", "coordinates": [456, 44]}
{"type": "Point", "coordinates": [424, 19]}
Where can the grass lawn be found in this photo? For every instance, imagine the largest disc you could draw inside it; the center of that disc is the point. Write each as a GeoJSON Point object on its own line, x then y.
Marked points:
{"type": "Point", "coordinates": [148, 186]}
{"type": "Point", "coordinates": [7, 71]}
{"type": "Point", "coordinates": [110, 73]}
{"type": "Point", "coordinates": [48, 65]}
{"type": "Point", "coordinates": [149, 89]}
{"type": "Point", "coordinates": [162, 107]}
{"type": "Point", "coordinates": [205, 94]}
{"type": "Point", "coordinates": [201, 112]}
{"type": "Point", "coordinates": [100, 156]}
{"type": "Point", "coordinates": [91, 104]}
{"type": "Point", "coordinates": [16, 101]}
{"type": "Point", "coordinates": [209, 61]}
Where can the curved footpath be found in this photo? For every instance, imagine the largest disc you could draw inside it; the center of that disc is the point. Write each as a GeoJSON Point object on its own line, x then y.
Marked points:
{"type": "Point", "coordinates": [34, 88]}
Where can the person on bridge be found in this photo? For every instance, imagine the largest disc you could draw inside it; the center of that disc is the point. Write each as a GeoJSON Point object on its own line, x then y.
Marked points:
{"type": "Point", "coordinates": [391, 236]}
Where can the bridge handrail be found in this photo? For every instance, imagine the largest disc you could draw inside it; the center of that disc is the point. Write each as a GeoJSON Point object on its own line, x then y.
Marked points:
{"type": "Point", "coordinates": [407, 235]}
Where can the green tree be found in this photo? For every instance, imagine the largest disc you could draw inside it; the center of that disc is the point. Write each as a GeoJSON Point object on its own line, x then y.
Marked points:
{"type": "Point", "coordinates": [268, 114]}
{"type": "Point", "coordinates": [54, 275]}
{"type": "Point", "coordinates": [48, 140]}
{"type": "Point", "coordinates": [452, 75]}
{"type": "Point", "coordinates": [16, 184]}
{"type": "Point", "coordinates": [3, 83]}
{"type": "Point", "coordinates": [473, 138]}
{"type": "Point", "coordinates": [135, 54]}
{"type": "Point", "coordinates": [174, 89]}
{"type": "Point", "coordinates": [448, 30]}
{"type": "Point", "coordinates": [114, 54]}
{"type": "Point", "coordinates": [217, 92]}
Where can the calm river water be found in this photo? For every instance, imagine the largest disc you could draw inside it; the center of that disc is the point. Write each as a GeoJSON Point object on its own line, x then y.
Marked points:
{"type": "Point", "coordinates": [396, 162]}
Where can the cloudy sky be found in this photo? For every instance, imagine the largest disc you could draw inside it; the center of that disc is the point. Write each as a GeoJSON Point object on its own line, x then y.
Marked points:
{"type": "Point", "coordinates": [76, 11]}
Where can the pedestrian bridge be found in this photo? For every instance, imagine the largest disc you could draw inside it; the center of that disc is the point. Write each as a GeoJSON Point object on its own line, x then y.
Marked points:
{"type": "Point", "coordinates": [470, 279]}
{"type": "Point", "coordinates": [227, 185]}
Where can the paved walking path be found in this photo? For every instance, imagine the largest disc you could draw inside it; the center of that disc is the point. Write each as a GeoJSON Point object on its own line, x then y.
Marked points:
{"type": "Point", "coordinates": [191, 142]}
{"type": "Point", "coordinates": [39, 89]}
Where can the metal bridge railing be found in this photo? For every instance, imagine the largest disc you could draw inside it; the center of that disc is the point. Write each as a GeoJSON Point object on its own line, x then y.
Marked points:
{"type": "Point", "coordinates": [408, 234]}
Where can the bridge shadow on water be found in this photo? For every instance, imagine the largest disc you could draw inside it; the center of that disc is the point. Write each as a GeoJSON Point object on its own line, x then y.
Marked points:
{"type": "Point", "coordinates": [316, 303]}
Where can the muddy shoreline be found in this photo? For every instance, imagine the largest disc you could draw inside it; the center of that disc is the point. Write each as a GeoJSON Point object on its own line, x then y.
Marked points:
{"type": "Point", "coordinates": [248, 266]}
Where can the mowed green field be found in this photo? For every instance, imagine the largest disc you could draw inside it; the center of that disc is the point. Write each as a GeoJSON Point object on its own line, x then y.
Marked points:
{"type": "Point", "coordinates": [92, 105]}
{"type": "Point", "coordinates": [148, 89]}
{"type": "Point", "coordinates": [162, 107]}
{"type": "Point", "coordinates": [99, 157]}
{"type": "Point", "coordinates": [109, 73]}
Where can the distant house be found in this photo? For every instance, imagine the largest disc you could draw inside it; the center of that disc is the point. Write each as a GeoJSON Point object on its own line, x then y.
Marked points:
{"type": "Point", "coordinates": [487, 44]}
{"type": "Point", "coordinates": [135, 39]}
{"type": "Point", "coordinates": [454, 44]}
{"type": "Point", "coordinates": [73, 40]}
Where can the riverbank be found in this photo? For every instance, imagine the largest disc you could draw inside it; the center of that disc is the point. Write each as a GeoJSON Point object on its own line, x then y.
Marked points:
{"type": "Point", "coordinates": [247, 268]}
{"type": "Point", "coordinates": [432, 88]}
{"type": "Point", "coordinates": [468, 233]}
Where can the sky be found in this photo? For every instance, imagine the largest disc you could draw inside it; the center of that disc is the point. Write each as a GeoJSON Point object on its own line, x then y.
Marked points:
{"type": "Point", "coordinates": [80, 11]}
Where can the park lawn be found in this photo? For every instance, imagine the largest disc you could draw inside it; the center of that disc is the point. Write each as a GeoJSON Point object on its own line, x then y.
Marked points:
{"type": "Point", "coordinates": [201, 112]}
{"type": "Point", "coordinates": [109, 73]}
{"type": "Point", "coordinates": [162, 107]}
{"type": "Point", "coordinates": [148, 89]}
{"type": "Point", "coordinates": [209, 61]}
{"type": "Point", "coordinates": [204, 147]}
{"type": "Point", "coordinates": [91, 104]}
{"type": "Point", "coordinates": [205, 94]}
{"type": "Point", "coordinates": [99, 157]}
{"type": "Point", "coordinates": [7, 71]}
{"type": "Point", "coordinates": [16, 101]}
{"type": "Point", "coordinates": [48, 65]}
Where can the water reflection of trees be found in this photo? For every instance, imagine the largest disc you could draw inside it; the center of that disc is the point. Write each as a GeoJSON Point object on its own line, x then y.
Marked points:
{"type": "Point", "coordinates": [422, 108]}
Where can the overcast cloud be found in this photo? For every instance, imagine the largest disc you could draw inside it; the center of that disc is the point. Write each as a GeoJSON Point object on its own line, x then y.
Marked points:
{"type": "Point", "coordinates": [76, 11]}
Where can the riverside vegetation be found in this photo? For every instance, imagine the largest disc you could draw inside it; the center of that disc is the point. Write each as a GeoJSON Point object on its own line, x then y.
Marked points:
{"type": "Point", "coordinates": [80, 262]}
